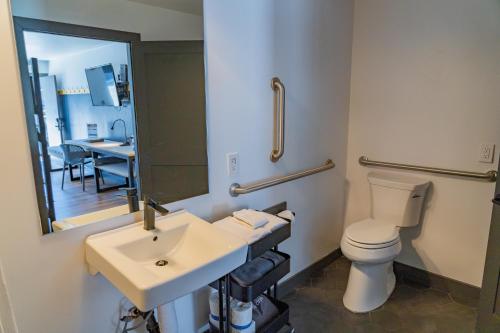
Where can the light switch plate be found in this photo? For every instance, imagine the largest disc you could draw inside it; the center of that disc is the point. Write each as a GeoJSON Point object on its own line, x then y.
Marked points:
{"type": "Point", "coordinates": [233, 164]}
{"type": "Point", "coordinates": [486, 152]}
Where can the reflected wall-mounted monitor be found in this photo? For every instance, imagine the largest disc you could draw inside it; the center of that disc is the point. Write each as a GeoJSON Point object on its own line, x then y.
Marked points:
{"type": "Point", "coordinates": [102, 86]}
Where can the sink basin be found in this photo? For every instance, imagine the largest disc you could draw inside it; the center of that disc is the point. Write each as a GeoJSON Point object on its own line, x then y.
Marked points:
{"type": "Point", "coordinates": [183, 254]}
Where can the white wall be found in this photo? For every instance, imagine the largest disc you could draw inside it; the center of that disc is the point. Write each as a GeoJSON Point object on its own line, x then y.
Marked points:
{"type": "Point", "coordinates": [7, 322]}
{"type": "Point", "coordinates": [312, 56]}
{"type": "Point", "coordinates": [70, 70]}
{"type": "Point", "coordinates": [424, 90]}
{"type": "Point", "coordinates": [50, 289]}
{"type": "Point", "coordinates": [154, 23]}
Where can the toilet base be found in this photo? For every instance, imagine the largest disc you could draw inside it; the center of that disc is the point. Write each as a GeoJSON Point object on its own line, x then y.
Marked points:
{"type": "Point", "coordinates": [369, 286]}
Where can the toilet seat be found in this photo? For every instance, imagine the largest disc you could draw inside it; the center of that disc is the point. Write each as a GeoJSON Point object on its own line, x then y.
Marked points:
{"type": "Point", "coordinates": [371, 234]}
{"type": "Point", "coordinates": [371, 245]}
{"type": "Point", "coordinates": [361, 254]}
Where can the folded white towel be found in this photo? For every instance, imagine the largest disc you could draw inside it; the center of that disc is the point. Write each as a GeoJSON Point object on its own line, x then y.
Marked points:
{"type": "Point", "coordinates": [241, 229]}
{"type": "Point", "coordinates": [287, 214]}
{"type": "Point", "coordinates": [274, 222]}
{"type": "Point", "coordinates": [251, 217]}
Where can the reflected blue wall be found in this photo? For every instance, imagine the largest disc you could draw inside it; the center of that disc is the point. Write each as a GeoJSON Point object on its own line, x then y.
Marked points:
{"type": "Point", "coordinates": [78, 111]}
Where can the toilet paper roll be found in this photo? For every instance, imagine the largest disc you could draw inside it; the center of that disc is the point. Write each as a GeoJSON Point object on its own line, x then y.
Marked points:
{"type": "Point", "coordinates": [213, 300]}
{"type": "Point", "coordinates": [241, 313]}
{"type": "Point", "coordinates": [214, 322]}
{"type": "Point", "coordinates": [249, 329]}
{"type": "Point", "coordinates": [214, 304]}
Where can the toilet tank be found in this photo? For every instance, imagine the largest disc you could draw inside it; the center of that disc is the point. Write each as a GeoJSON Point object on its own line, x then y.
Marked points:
{"type": "Point", "coordinates": [397, 199]}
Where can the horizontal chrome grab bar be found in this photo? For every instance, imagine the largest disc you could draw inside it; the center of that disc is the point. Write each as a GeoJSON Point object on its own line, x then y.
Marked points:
{"type": "Point", "coordinates": [488, 176]}
{"type": "Point", "coordinates": [237, 189]}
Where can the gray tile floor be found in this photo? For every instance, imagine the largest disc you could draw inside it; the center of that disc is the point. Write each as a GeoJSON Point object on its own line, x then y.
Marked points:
{"type": "Point", "coordinates": [316, 307]}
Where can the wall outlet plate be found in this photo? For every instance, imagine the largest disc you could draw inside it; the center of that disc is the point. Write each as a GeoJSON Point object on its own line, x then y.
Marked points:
{"type": "Point", "coordinates": [486, 152]}
{"type": "Point", "coordinates": [233, 163]}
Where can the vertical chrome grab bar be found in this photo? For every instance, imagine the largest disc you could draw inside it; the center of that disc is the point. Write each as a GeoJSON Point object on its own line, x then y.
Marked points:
{"type": "Point", "coordinates": [279, 120]}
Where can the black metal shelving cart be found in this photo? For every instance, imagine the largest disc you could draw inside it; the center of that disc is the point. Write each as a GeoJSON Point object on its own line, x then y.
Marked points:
{"type": "Point", "coordinates": [268, 284]}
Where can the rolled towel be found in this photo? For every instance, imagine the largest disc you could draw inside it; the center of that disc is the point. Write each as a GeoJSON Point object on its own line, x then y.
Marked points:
{"type": "Point", "coordinates": [241, 229]}
{"type": "Point", "coordinates": [248, 273]}
{"type": "Point", "coordinates": [263, 311]}
{"type": "Point", "coordinates": [274, 222]}
{"type": "Point", "coordinates": [241, 314]}
{"type": "Point", "coordinates": [251, 217]}
{"type": "Point", "coordinates": [274, 257]}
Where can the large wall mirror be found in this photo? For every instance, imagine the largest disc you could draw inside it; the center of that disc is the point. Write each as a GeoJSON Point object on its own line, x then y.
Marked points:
{"type": "Point", "coordinates": [114, 95]}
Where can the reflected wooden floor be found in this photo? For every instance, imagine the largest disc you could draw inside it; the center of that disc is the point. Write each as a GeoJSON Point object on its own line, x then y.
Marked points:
{"type": "Point", "coordinates": [73, 201]}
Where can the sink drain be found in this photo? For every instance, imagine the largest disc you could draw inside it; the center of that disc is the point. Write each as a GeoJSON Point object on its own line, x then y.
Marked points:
{"type": "Point", "coordinates": [161, 263]}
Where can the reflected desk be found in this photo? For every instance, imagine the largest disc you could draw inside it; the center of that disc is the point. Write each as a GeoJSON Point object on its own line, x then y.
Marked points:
{"type": "Point", "coordinates": [116, 150]}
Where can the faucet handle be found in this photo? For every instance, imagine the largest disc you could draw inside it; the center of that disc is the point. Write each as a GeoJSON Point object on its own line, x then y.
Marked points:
{"type": "Point", "coordinates": [156, 206]}
{"type": "Point", "coordinates": [132, 198]}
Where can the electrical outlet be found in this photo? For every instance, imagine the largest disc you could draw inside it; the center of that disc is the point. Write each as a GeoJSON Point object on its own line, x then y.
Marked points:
{"type": "Point", "coordinates": [233, 164]}
{"type": "Point", "coordinates": [486, 152]}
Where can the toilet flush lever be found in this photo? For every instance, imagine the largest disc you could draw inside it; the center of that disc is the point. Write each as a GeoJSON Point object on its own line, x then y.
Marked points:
{"type": "Point", "coordinates": [496, 199]}
{"type": "Point", "coordinates": [416, 196]}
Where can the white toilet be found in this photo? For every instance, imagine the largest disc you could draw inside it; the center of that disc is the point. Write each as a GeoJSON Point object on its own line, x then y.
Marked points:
{"type": "Point", "coordinates": [372, 244]}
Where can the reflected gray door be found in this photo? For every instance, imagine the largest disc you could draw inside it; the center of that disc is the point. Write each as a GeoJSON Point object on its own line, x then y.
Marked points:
{"type": "Point", "coordinates": [169, 95]}
{"type": "Point", "coordinates": [40, 130]}
{"type": "Point", "coordinates": [52, 115]}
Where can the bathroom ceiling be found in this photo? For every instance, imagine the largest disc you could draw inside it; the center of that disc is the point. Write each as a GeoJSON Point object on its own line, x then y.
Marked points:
{"type": "Point", "coordinates": [48, 46]}
{"type": "Point", "coordinates": [194, 7]}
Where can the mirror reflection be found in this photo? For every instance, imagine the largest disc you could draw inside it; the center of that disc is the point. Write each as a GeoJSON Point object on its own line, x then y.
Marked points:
{"type": "Point", "coordinates": [113, 113]}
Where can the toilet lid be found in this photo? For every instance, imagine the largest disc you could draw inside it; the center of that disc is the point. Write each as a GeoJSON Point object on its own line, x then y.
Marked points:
{"type": "Point", "coordinates": [373, 232]}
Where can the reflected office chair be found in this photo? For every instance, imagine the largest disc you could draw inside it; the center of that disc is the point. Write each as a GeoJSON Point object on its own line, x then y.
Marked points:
{"type": "Point", "coordinates": [74, 155]}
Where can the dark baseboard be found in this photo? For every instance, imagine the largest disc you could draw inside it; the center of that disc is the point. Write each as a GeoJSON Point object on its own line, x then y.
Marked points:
{"type": "Point", "coordinates": [301, 277]}
{"type": "Point", "coordinates": [459, 291]}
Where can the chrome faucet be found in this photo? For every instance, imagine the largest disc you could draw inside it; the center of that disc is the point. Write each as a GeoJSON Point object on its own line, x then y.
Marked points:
{"type": "Point", "coordinates": [125, 142]}
{"type": "Point", "coordinates": [132, 199]}
{"type": "Point", "coordinates": [150, 207]}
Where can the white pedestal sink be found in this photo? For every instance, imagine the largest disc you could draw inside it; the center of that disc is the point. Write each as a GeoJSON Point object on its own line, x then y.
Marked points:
{"type": "Point", "coordinates": [183, 254]}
